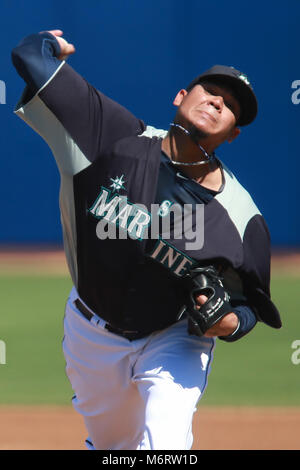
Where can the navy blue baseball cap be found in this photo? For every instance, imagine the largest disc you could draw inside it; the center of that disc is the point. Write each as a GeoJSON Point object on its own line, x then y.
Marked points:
{"type": "Point", "coordinates": [238, 83]}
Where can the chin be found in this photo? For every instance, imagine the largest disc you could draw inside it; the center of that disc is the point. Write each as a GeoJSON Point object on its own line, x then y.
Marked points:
{"type": "Point", "coordinates": [199, 132]}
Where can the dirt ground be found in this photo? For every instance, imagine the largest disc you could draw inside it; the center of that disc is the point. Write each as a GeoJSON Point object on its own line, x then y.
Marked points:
{"type": "Point", "coordinates": [60, 428]}
{"type": "Point", "coordinates": [51, 261]}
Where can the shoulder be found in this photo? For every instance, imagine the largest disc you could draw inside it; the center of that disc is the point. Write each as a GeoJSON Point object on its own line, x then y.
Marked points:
{"type": "Point", "coordinates": [152, 132]}
{"type": "Point", "coordinates": [237, 201]}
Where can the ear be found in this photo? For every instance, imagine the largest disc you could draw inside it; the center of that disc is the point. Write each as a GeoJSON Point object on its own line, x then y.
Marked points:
{"type": "Point", "coordinates": [179, 97]}
{"type": "Point", "coordinates": [234, 133]}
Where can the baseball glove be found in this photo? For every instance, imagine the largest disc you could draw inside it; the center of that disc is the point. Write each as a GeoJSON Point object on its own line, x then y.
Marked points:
{"type": "Point", "coordinates": [204, 281]}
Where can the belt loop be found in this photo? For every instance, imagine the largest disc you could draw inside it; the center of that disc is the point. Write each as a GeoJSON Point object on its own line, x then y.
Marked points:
{"type": "Point", "coordinates": [97, 321]}
{"type": "Point", "coordinates": [88, 314]}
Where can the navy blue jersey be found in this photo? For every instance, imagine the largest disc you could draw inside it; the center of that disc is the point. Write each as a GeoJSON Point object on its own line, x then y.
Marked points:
{"type": "Point", "coordinates": [116, 186]}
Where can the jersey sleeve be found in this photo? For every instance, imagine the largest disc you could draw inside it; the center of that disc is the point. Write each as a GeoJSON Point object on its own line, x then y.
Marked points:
{"type": "Point", "coordinates": [252, 261]}
{"type": "Point", "coordinates": [78, 122]}
{"type": "Point", "coordinates": [256, 271]}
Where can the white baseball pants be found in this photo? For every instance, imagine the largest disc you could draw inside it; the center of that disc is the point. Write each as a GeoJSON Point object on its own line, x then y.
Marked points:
{"type": "Point", "coordinates": [135, 395]}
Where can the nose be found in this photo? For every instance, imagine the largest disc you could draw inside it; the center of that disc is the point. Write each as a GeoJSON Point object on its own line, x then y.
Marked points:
{"type": "Point", "coordinates": [216, 101]}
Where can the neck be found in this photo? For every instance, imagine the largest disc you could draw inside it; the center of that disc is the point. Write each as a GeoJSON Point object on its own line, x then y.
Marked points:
{"type": "Point", "coordinates": [181, 148]}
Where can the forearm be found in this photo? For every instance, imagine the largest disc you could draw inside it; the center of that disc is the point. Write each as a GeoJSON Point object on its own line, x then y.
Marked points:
{"type": "Point", "coordinates": [36, 59]}
{"type": "Point", "coordinates": [246, 322]}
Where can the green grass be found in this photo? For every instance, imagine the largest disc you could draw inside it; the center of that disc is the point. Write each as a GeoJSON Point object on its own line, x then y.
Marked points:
{"type": "Point", "coordinates": [31, 326]}
{"type": "Point", "coordinates": [257, 370]}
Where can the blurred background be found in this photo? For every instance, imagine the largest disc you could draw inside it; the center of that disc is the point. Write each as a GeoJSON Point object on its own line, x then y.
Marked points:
{"type": "Point", "coordinates": [141, 54]}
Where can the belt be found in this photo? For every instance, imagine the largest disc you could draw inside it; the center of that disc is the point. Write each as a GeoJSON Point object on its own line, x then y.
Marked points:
{"type": "Point", "coordinates": [128, 334]}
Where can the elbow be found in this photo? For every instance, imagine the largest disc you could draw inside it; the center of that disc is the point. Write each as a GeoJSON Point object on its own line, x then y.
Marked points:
{"type": "Point", "coordinates": [16, 57]}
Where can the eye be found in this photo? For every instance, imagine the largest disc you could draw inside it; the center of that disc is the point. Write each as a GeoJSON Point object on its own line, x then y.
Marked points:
{"type": "Point", "coordinates": [229, 105]}
{"type": "Point", "coordinates": [208, 89]}
{"type": "Point", "coordinates": [211, 92]}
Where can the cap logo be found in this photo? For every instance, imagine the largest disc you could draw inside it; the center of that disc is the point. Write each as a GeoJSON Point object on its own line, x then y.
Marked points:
{"type": "Point", "coordinates": [244, 78]}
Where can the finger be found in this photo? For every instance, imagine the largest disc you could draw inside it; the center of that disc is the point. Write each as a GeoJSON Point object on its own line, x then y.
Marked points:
{"type": "Point", "coordinates": [201, 299]}
{"type": "Point", "coordinates": [68, 48]}
{"type": "Point", "coordinates": [56, 32]}
{"type": "Point", "coordinates": [68, 51]}
{"type": "Point", "coordinates": [71, 49]}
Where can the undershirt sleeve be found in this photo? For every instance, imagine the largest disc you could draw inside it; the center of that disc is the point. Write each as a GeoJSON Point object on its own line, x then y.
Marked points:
{"type": "Point", "coordinates": [247, 321]}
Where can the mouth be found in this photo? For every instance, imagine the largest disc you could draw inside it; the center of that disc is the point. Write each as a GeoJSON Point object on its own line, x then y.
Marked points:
{"type": "Point", "coordinates": [207, 115]}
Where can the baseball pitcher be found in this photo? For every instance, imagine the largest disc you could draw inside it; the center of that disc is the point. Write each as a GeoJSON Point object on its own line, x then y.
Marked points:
{"type": "Point", "coordinates": [166, 249]}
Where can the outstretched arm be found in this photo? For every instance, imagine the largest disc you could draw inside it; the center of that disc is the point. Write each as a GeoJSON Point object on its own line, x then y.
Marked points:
{"type": "Point", "coordinates": [59, 103]}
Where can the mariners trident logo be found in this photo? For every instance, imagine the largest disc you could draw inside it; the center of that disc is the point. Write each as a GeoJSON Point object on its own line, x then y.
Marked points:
{"type": "Point", "coordinates": [117, 183]}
